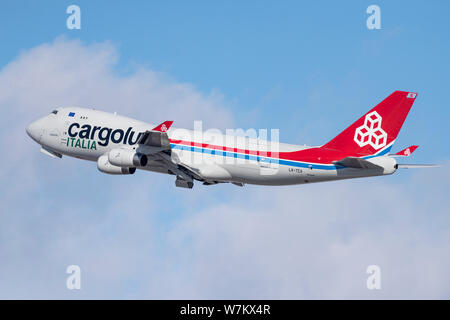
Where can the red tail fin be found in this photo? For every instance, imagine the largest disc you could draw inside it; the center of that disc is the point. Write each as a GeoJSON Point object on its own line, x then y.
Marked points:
{"type": "Point", "coordinates": [378, 128]}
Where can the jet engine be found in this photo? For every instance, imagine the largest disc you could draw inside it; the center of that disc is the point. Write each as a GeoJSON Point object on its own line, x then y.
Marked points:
{"type": "Point", "coordinates": [105, 166]}
{"type": "Point", "coordinates": [127, 158]}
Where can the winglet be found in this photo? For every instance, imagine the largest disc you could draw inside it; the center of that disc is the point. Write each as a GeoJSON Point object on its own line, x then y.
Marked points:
{"type": "Point", "coordinates": [163, 127]}
{"type": "Point", "coordinates": [407, 152]}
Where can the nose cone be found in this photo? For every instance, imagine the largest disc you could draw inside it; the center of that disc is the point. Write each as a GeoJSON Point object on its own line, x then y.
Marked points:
{"type": "Point", "coordinates": [34, 130]}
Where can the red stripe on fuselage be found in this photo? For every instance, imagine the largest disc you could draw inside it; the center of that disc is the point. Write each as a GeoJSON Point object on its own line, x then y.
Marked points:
{"type": "Point", "coordinates": [314, 154]}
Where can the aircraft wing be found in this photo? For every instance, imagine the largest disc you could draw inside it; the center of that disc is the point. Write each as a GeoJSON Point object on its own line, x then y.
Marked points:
{"type": "Point", "coordinates": [155, 144]}
{"type": "Point", "coordinates": [181, 170]}
{"type": "Point", "coordinates": [354, 162]}
{"type": "Point", "coordinates": [157, 137]}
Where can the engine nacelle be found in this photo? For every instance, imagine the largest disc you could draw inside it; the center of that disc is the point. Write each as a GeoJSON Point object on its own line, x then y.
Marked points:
{"type": "Point", "coordinates": [105, 166]}
{"type": "Point", "coordinates": [127, 158]}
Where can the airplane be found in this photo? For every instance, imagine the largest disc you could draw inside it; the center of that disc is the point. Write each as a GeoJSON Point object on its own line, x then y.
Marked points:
{"type": "Point", "coordinates": [120, 145]}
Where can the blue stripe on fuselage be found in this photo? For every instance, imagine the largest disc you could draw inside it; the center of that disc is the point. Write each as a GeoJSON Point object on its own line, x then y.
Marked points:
{"type": "Point", "coordinates": [268, 160]}
{"type": "Point", "coordinates": [382, 153]}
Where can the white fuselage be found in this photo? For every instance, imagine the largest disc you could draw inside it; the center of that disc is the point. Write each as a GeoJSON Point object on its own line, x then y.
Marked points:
{"type": "Point", "coordinates": [89, 134]}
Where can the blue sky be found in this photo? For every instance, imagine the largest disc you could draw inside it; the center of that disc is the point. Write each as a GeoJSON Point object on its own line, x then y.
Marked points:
{"type": "Point", "coordinates": [266, 57]}
{"type": "Point", "coordinates": [309, 69]}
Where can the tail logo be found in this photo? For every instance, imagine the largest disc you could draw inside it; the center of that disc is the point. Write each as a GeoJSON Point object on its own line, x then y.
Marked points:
{"type": "Point", "coordinates": [371, 133]}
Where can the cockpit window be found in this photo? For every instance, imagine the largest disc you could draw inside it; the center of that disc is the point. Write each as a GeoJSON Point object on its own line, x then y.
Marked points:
{"type": "Point", "coordinates": [55, 111]}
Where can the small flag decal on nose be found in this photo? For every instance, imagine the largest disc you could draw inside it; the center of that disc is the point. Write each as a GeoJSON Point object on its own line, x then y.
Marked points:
{"type": "Point", "coordinates": [71, 114]}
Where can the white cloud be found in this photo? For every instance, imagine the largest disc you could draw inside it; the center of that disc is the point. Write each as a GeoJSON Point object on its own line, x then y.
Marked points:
{"type": "Point", "coordinates": [65, 73]}
{"type": "Point", "coordinates": [69, 73]}
{"type": "Point", "coordinates": [49, 208]}
{"type": "Point", "coordinates": [316, 241]}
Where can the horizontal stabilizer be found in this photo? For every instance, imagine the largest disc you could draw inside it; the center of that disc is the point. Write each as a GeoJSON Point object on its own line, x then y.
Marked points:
{"type": "Point", "coordinates": [414, 166]}
{"type": "Point", "coordinates": [354, 162]}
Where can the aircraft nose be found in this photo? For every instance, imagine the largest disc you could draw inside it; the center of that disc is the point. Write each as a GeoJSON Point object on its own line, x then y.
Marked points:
{"type": "Point", "coordinates": [34, 131]}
